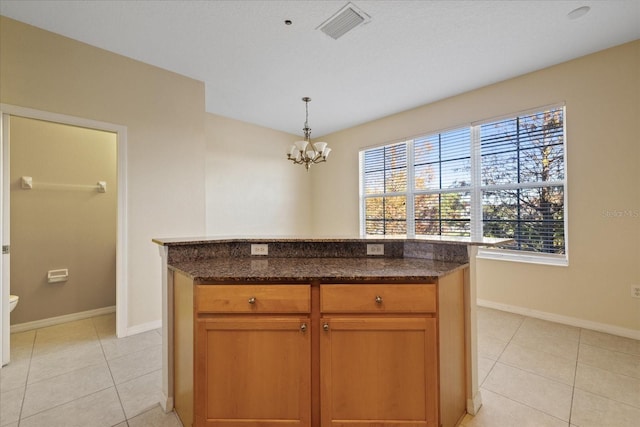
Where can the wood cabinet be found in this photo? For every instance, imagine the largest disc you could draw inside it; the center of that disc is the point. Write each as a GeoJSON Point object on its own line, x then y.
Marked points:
{"type": "Point", "coordinates": [378, 356]}
{"type": "Point", "coordinates": [253, 372]}
{"type": "Point", "coordinates": [320, 354]}
{"type": "Point", "coordinates": [252, 356]}
{"type": "Point", "coordinates": [379, 372]}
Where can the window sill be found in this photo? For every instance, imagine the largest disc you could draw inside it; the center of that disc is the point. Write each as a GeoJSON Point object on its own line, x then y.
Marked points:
{"type": "Point", "coordinates": [529, 258]}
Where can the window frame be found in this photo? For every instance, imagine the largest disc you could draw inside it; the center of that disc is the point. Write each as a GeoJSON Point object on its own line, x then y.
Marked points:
{"type": "Point", "coordinates": [475, 190]}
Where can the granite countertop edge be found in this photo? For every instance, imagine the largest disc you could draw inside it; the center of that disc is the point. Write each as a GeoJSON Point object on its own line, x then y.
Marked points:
{"type": "Point", "coordinates": [452, 240]}
{"type": "Point", "coordinates": [305, 270]}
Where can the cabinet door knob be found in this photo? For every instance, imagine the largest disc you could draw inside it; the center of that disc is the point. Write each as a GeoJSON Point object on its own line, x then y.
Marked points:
{"type": "Point", "coordinates": [252, 300]}
{"type": "Point", "coordinates": [325, 326]}
{"type": "Point", "coordinates": [303, 327]}
{"type": "Point", "coordinates": [378, 299]}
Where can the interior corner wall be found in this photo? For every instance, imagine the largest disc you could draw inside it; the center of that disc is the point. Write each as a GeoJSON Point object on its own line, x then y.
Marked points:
{"type": "Point", "coordinates": [164, 116]}
{"type": "Point", "coordinates": [63, 222]}
{"type": "Point", "coordinates": [602, 96]}
{"type": "Point", "coordinates": [252, 189]}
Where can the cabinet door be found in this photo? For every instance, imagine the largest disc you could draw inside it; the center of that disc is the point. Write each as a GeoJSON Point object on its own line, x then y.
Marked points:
{"type": "Point", "coordinates": [253, 372]}
{"type": "Point", "coordinates": [378, 372]}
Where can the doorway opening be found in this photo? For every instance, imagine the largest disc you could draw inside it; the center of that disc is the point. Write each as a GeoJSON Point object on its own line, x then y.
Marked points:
{"type": "Point", "coordinates": [58, 186]}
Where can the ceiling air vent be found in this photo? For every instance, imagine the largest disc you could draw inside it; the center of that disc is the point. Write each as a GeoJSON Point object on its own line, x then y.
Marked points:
{"type": "Point", "coordinates": [343, 21]}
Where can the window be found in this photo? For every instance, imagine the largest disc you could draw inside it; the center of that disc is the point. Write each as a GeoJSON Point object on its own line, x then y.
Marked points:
{"type": "Point", "coordinates": [523, 181]}
{"type": "Point", "coordinates": [442, 198]}
{"type": "Point", "coordinates": [501, 178]}
{"type": "Point", "coordinates": [385, 183]}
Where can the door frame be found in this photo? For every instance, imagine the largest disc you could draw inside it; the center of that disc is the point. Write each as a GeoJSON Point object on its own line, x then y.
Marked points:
{"type": "Point", "coordinates": [121, 233]}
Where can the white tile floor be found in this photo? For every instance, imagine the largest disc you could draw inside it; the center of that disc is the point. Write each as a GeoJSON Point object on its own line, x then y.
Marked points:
{"type": "Point", "coordinates": [80, 374]}
{"type": "Point", "coordinates": [532, 373]}
{"type": "Point", "coordinates": [543, 374]}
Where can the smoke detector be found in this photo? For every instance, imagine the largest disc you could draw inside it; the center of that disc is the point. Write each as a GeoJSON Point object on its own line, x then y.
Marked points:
{"type": "Point", "coordinates": [343, 21]}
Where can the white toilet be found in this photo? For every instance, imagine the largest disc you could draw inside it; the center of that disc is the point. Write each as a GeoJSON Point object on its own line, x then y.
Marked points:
{"type": "Point", "coordinates": [13, 301]}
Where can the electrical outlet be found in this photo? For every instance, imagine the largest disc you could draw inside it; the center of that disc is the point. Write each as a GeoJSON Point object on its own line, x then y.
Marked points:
{"type": "Point", "coordinates": [375, 249]}
{"type": "Point", "coordinates": [635, 291]}
{"type": "Point", "coordinates": [259, 249]}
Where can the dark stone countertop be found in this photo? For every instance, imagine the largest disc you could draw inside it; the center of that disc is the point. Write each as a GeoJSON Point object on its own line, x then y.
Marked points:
{"type": "Point", "coordinates": [447, 240]}
{"type": "Point", "coordinates": [305, 270]}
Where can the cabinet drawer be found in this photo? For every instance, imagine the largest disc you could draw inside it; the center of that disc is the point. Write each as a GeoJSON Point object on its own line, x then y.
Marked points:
{"type": "Point", "coordinates": [253, 299]}
{"type": "Point", "coordinates": [378, 298]}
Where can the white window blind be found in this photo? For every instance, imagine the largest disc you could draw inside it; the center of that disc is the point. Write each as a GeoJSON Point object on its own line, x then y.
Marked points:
{"type": "Point", "coordinates": [385, 190]}
{"type": "Point", "coordinates": [523, 180]}
{"type": "Point", "coordinates": [426, 186]}
{"type": "Point", "coordinates": [442, 179]}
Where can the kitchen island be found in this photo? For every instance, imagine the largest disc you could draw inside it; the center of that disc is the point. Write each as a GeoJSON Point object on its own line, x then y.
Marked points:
{"type": "Point", "coordinates": [318, 332]}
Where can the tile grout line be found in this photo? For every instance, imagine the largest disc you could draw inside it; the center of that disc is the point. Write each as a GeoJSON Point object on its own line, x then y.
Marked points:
{"type": "Point", "coordinates": [575, 376]}
{"type": "Point", "coordinates": [511, 338]}
{"type": "Point", "coordinates": [26, 380]}
{"type": "Point", "coordinates": [604, 396]}
{"type": "Point", "coordinates": [115, 387]}
{"type": "Point", "coordinates": [528, 406]}
{"type": "Point", "coordinates": [551, 379]}
{"type": "Point", "coordinates": [500, 355]}
{"type": "Point", "coordinates": [605, 347]}
{"type": "Point", "coordinates": [59, 375]}
{"type": "Point", "coordinates": [65, 403]}
{"type": "Point", "coordinates": [586, 363]}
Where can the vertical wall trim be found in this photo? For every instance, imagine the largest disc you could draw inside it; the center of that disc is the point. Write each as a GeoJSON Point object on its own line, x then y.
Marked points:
{"type": "Point", "coordinates": [167, 331]}
{"type": "Point", "coordinates": [5, 355]}
{"type": "Point", "coordinates": [122, 284]}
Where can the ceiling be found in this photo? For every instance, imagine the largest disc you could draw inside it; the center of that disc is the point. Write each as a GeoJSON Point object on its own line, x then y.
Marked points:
{"type": "Point", "coordinates": [410, 53]}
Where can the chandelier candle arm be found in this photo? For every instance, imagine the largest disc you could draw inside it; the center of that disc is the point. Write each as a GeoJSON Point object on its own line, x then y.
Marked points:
{"type": "Point", "coordinates": [304, 152]}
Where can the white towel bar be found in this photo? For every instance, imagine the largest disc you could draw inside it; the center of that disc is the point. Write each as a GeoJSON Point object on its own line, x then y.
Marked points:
{"type": "Point", "coordinates": [28, 184]}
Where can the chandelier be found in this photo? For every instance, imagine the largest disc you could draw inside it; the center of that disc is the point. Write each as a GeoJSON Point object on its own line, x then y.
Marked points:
{"type": "Point", "coordinates": [304, 152]}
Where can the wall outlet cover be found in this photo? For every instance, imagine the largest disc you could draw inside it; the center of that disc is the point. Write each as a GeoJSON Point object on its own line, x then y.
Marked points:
{"type": "Point", "coordinates": [259, 249]}
{"type": "Point", "coordinates": [375, 249]}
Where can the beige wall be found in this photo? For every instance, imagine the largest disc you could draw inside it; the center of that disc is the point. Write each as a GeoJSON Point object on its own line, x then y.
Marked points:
{"type": "Point", "coordinates": [602, 95]}
{"type": "Point", "coordinates": [252, 190]}
{"type": "Point", "coordinates": [62, 227]}
{"type": "Point", "coordinates": [164, 116]}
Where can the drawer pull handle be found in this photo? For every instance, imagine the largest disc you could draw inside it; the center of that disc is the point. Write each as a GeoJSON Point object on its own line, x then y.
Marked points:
{"type": "Point", "coordinates": [252, 300]}
{"type": "Point", "coordinates": [378, 299]}
{"type": "Point", "coordinates": [325, 326]}
{"type": "Point", "coordinates": [303, 327]}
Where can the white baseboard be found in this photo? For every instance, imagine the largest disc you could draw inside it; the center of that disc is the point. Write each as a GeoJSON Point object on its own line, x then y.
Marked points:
{"type": "Point", "coordinates": [51, 321]}
{"type": "Point", "coordinates": [43, 323]}
{"type": "Point", "coordinates": [166, 403]}
{"type": "Point", "coordinates": [144, 327]}
{"type": "Point", "coordinates": [565, 320]}
{"type": "Point", "coordinates": [473, 405]}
